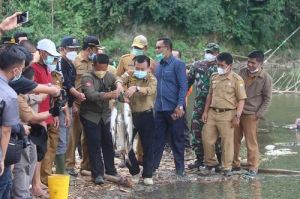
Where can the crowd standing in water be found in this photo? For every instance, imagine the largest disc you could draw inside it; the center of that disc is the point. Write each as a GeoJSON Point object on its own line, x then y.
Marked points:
{"type": "Point", "coordinates": [53, 103]}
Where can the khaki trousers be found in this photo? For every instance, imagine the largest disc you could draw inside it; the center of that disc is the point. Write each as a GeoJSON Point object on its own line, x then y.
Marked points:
{"type": "Point", "coordinates": [247, 128]}
{"type": "Point", "coordinates": [47, 162]}
{"type": "Point", "coordinates": [218, 125]}
{"type": "Point", "coordinates": [76, 134]}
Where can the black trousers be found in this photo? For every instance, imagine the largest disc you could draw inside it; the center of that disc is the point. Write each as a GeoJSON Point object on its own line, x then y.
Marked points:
{"type": "Point", "coordinates": [165, 126]}
{"type": "Point", "coordinates": [99, 141]}
{"type": "Point", "coordinates": [144, 125]}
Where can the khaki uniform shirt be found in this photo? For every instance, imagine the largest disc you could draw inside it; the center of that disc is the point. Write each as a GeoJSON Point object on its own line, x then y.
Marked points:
{"type": "Point", "coordinates": [95, 107]}
{"type": "Point", "coordinates": [126, 64]}
{"type": "Point", "coordinates": [26, 112]}
{"type": "Point", "coordinates": [82, 66]}
{"type": "Point", "coordinates": [57, 79]}
{"type": "Point", "coordinates": [259, 92]}
{"type": "Point", "coordinates": [138, 101]}
{"type": "Point", "coordinates": [226, 90]}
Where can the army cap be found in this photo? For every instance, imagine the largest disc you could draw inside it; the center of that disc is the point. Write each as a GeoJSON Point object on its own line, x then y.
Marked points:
{"type": "Point", "coordinates": [69, 42]}
{"type": "Point", "coordinates": [140, 41]}
{"type": "Point", "coordinates": [213, 47]}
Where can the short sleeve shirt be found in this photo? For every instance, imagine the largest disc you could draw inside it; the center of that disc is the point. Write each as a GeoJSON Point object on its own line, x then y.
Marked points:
{"type": "Point", "coordinates": [227, 90]}
{"type": "Point", "coordinates": [42, 75]}
{"type": "Point", "coordinates": [10, 115]}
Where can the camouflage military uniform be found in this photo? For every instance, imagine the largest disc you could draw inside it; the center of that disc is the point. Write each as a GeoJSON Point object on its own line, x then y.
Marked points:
{"type": "Point", "coordinates": [200, 73]}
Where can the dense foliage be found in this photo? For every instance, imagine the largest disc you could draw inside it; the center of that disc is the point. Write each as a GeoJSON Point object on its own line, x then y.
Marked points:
{"type": "Point", "coordinates": [240, 23]}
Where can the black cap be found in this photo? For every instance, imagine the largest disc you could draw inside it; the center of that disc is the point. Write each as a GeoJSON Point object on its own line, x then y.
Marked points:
{"type": "Point", "coordinates": [91, 41]}
{"type": "Point", "coordinates": [69, 42]}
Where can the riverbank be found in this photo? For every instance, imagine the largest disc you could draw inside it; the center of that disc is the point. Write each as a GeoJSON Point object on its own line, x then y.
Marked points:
{"type": "Point", "coordinates": [83, 188]}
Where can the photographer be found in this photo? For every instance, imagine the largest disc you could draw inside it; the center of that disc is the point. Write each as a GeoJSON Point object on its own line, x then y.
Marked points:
{"type": "Point", "coordinates": [12, 63]}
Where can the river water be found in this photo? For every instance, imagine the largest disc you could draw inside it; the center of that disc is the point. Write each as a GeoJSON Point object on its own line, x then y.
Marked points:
{"type": "Point", "coordinates": [284, 110]}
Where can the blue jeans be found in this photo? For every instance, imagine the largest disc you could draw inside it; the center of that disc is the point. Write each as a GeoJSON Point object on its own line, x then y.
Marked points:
{"type": "Point", "coordinates": [5, 183]}
{"type": "Point", "coordinates": [167, 127]}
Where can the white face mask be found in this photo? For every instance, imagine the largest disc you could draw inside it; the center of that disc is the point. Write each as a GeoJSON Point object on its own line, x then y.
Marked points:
{"type": "Point", "coordinates": [253, 71]}
{"type": "Point", "coordinates": [222, 71]}
{"type": "Point", "coordinates": [209, 57]}
{"type": "Point", "coordinates": [71, 55]}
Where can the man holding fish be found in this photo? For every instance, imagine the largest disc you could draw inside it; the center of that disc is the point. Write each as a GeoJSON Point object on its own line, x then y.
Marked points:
{"type": "Point", "coordinates": [141, 92]}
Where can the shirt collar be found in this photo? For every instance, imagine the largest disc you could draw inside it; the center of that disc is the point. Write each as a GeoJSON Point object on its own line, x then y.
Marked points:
{"type": "Point", "coordinates": [81, 58]}
{"type": "Point", "coordinates": [168, 60]}
{"type": "Point", "coordinates": [4, 78]}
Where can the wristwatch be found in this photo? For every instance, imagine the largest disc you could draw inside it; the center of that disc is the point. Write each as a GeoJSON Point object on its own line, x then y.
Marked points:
{"type": "Point", "coordinates": [137, 88]}
{"type": "Point", "coordinates": [180, 107]}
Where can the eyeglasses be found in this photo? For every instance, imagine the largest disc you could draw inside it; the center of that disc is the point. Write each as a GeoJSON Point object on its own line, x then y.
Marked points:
{"type": "Point", "coordinates": [159, 47]}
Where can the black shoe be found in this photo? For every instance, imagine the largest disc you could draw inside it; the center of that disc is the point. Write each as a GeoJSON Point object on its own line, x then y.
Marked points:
{"type": "Point", "coordinates": [196, 164]}
{"type": "Point", "coordinates": [180, 173]}
{"type": "Point", "coordinates": [236, 170]}
{"type": "Point", "coordinates": [227, 173]}
{"type": "Point", "coordinates": [216, 168]}
{"type": "Point", "coordinates": [72, 172]}
{"type": "Point", "coordinates": [99, 180]}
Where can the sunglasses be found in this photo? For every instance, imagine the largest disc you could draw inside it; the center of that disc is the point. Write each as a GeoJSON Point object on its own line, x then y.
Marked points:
{"type": "Point", "coordinates": [159, 47]}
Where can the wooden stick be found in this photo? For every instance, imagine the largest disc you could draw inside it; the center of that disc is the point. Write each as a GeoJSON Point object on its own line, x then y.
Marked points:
{"type": "Point", "coordinates": [119, 180]}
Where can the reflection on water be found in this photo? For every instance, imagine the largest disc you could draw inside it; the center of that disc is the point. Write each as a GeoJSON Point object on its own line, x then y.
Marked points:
{"type": "Point", "coordinates": [284, 110]}
{"type": "Point", "coordinates": [265, 187]}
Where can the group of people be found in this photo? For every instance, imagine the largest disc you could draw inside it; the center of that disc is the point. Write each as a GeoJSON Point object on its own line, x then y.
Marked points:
{"type": "Point", "coordinates": [62, 101]}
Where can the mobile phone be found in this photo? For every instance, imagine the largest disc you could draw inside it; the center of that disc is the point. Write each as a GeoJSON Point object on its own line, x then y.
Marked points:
{"type": "Point", "coordinates": [22, 18]}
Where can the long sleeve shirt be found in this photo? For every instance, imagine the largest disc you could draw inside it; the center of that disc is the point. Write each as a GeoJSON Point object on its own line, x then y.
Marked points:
{"type": "Point", "coordinates": [171, 84]}
{"type": "Point", "coordinates": [69, 74]}
{"type": "Point", "coordinates": [259, 92]}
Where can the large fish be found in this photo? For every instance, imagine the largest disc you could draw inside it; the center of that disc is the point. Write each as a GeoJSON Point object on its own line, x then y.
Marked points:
{"type": "Point", "coordinates": [122, 128]}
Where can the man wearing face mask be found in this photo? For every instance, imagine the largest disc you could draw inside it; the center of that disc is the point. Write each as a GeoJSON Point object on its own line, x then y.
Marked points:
{"type": "Point", "coordinates": [200, 72]}
{"type": "Point", "coordinates": [99, 86]}
{"type": "Point", "coordinates": [139, 47]}
{"type": "Point", "coordinates": [169, 105]}
{"type": "Point", "coordinates": [223, 107]}
{"type": "Point", "coordinates": [258, 84]}
{"type": "Point", "coordinates": [47, 53]}
{"type": "Point", "coordinates": [83, 64]}
{"type": "Point", "coordinates": [11, 64]}
{"type": "Point", "coordinates": [141, 92]}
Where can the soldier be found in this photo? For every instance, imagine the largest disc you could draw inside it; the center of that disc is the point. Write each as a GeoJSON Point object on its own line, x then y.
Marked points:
{"type": "Point", "coordinates": [200, 72]}
{"type": "Point", "coordinates": [141, 91]}
{"type": "Point", "coordinates": [258, 84]}
{"type": "Point", "coordinates": [83, 63]}
{"type": "Point", "coordinates": [99, 87]}
{"type": "Point", "coordinates": [223, 108]}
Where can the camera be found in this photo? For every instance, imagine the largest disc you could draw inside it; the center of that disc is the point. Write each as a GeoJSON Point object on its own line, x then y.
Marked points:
{"type": "Point", "coordinates": [58, 103]}
{"type": "Point", "coordinates": [18, 132]}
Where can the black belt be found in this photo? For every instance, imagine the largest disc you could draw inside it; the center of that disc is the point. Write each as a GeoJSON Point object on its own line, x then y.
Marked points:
{"type": "Point", "coordinates": [221, 110]}
{"type": "Point", "coordinates": [142, 112]}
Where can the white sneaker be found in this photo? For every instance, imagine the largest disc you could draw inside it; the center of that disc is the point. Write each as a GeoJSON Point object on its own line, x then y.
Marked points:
{"type": "Point", "coordinates": [136, 178]}
{"type": "Point", "coordinates": [148, 181]}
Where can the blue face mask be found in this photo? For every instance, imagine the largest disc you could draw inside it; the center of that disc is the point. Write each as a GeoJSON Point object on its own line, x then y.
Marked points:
{"type": "Point", "coordinates": [159, 57]}
{"type": "Point", "coordinates": [51, 67]}
{"type": "Point", "coordinates": [49, 60]}
{"type": "Point", "coordinates": [137, 52]}
{"type": "Point", "coordinates": [140, 74]}
{"type": "Point", "coordinates": [91, 57]}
